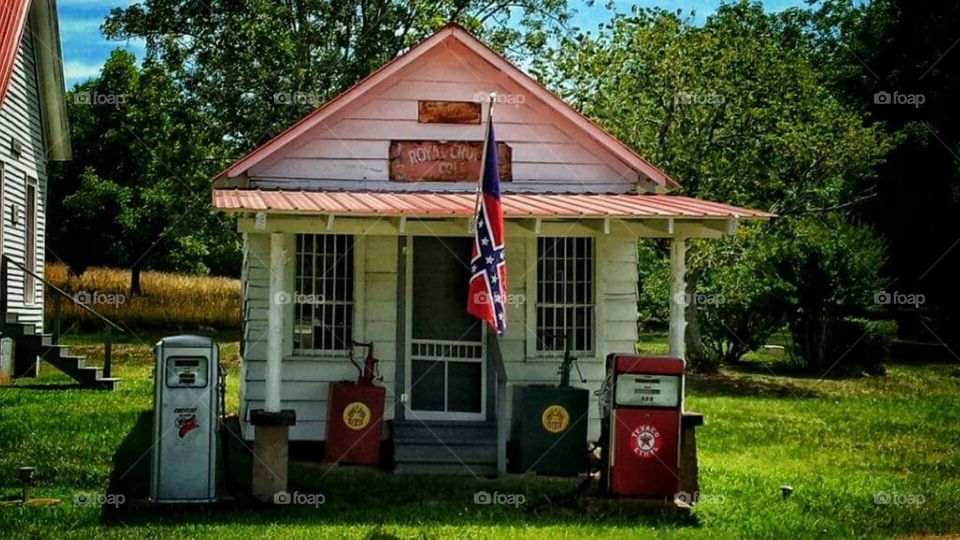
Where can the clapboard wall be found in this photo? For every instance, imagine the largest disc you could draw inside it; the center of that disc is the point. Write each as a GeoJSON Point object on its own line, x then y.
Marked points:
{"type": "Point", "coordinates": [350, 150]}
{"type": "Point", "coordinates": [305, 379]}
{"type": "Point", "coordinates": [21, 120]}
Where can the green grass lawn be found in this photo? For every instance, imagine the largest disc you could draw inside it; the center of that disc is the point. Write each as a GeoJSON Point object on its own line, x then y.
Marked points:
{"type": "Point", "coordinates": [843, 445]}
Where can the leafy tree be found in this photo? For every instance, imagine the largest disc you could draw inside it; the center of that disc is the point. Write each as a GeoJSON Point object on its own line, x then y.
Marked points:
{"type": "Point", "coordinates": [260, 65]}
{"type": "Point", "coordinates": [736, 111]}
{"type": "Point", "coordinates": [877, 56]}
{"type": "Point", "coordinates": [138, 184]}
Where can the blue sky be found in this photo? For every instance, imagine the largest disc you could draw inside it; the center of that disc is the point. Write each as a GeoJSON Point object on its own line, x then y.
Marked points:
{"type": "Point", "coordinates": [85, 48]}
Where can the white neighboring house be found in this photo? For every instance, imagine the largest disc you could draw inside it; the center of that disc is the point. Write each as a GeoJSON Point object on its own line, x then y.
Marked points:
{"type": "Point", "coordinates": [356, 227]}
{"type": "Point", "coordinates": [33, 133]}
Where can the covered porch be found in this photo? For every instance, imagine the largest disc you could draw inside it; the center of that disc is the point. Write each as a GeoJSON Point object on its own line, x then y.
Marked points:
{"type": "Point", "coordinates": [326, 268]}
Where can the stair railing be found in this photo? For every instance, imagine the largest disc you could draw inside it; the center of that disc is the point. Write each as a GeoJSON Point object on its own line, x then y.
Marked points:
{"type": "Point", "coordinates": [109, 326]}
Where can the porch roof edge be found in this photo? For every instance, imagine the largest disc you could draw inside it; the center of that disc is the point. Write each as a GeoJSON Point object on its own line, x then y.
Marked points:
{"type": "Point", "coordinates": [461, 205]}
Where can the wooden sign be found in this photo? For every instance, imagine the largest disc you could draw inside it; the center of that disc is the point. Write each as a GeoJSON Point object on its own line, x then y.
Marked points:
{"type": "Point", "coordinates": [435, 161]}
{"type": "Point", "coordinates": [448, 112]}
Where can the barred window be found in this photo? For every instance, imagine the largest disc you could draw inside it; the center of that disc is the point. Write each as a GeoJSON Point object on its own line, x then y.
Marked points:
{"type": "Point", "coordinates": [323, 297]}
{"type": "Point", "coordinates": [565, 297]}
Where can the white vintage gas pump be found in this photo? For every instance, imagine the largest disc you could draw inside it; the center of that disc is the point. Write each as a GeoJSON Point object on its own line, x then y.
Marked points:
{"type": "Point", "coordinates": [185, 420]}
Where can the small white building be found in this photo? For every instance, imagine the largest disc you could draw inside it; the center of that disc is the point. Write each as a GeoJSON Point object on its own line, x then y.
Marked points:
{"type": "Point", "coordinates": [356, 226]}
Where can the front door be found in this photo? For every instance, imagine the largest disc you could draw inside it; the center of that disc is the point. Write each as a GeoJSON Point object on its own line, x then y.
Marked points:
{"type": "Point", "coordinates": [446, 355]}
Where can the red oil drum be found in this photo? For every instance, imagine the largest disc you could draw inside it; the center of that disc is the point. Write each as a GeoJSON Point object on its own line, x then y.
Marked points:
{"type": "Point", "coordinates": [354, 423]}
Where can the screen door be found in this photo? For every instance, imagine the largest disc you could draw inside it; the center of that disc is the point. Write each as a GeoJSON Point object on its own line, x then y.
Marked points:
{"type": "Point", "coordinates": [446, 374]}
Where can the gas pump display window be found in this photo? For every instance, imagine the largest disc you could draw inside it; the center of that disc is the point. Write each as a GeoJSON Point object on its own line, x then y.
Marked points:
{"type": "Point", "coordinates": [186, 372]}
{"type": "Point", "coordinates": [648, 390]}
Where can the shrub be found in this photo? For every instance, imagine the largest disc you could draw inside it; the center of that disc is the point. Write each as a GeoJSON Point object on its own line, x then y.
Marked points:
{"type": "Point", "coordinates": [847, 345]}
{"type": "Point", "coordinates": [831, 266]}
{"type": "Point", "coordinates": [738, 302]}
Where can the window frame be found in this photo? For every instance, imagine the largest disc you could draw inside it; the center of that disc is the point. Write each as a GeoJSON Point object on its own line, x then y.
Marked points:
{"type": "Point", "coordinates": [3, 207]}
{"type": "Point", "coordinates": [356, 303]}
{"type": "Point", "coordinates": [534, 305]}
{"type": "Point", "coordinates": [31, 232]}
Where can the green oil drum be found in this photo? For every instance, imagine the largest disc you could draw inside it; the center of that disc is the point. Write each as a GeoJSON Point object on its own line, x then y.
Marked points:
{"type": "Point", "coordinates": [549, 429]}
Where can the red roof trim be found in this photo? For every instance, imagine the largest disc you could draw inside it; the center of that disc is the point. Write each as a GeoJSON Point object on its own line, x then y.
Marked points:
{"type": "Point", "coordinates": [13, 19]}
{"type": "Point", "coordinates": [515, 205]}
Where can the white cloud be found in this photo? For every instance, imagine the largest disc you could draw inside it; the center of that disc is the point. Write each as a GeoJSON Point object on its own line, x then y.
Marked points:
{"type": "Point", "coordinates": [75, 71]}
{"type": "Point", "coordinates": [77, 25]}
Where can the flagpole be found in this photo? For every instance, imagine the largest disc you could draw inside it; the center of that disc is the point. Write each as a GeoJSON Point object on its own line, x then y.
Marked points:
{"type": "Point", "coordinates": [483, 161]}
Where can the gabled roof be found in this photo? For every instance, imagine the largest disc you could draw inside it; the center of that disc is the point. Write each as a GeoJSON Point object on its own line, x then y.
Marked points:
{"type": "Point", "coordinates": [40, 16]}
{"type": "Point", "coordinates": [13, 19]}
{"type": "Point", "coordinates": [457, 32]}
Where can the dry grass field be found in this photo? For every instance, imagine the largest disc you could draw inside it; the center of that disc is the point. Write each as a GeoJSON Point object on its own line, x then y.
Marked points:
{"type": "Point", "coordinates": [169, 301]}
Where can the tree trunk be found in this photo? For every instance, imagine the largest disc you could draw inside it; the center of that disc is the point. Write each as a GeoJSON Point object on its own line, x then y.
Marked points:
{"type": "Point", "coordinates": [697, 355]}
{"type": "Point", "coordinates": [135, 289]}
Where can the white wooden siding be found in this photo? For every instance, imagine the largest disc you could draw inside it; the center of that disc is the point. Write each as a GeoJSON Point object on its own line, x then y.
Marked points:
{"type": "Point", "coordinates": [351, 150]}
{"type": "Point", "coordinates": [20, 119]}
{"type": "Point", "coordinates": [305, 380]}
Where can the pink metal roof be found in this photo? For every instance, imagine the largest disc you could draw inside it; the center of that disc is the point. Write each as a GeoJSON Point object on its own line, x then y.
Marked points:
{"type": "Point", "coordinates": [515, 205]}
{"type": "Point", "coordinates": [13, 18]}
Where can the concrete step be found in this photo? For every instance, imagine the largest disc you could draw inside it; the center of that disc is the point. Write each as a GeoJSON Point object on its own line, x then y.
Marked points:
{"type": "Point", "coordinates": [31, 346]}
{"type": "Point", "coordinates": [447, 448]}
{"type": "Point", "coordinates": [106, 383]}
{"type": "Point", "coordinates": [54, 351]}
{"type": "Point", "coordinates": [463, 452]}
{"type": "Point", "coordinates": [67, 362]}
{"type": "Point", "coordinates": [447, 469]}
{"type": "Point", "coordinates": [416, 430]}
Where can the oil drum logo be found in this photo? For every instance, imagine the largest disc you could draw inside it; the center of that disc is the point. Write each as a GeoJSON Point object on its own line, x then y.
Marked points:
{"type": "Point", "coordinates": [645, 441]}
{"type": "Point", "coordinates": [555, 419]}
{"type": "Point", "coordinates": [356, 415]}
{"type": "Point", "coordinates": [186, 422]}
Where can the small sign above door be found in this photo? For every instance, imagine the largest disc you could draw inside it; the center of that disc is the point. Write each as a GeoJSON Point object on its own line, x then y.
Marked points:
{"type": "Point", "coordinates": [436, 161]}
{"type": "Point", "coordinates": [448, 112]}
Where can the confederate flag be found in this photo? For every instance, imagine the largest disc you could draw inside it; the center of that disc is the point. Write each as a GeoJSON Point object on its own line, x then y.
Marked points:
{"type": "Point", "coordinates": [488, 264]}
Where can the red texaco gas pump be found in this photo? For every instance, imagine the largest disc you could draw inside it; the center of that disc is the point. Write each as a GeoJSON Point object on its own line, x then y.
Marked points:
{"type": "Point", "coordinates": [641, 431]}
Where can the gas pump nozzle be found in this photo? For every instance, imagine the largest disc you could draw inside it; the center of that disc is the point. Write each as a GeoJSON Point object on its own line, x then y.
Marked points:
{"type": "Point", "coordinates": [569, 361]}
{"type": "Point", "coordinates": [367, 373]}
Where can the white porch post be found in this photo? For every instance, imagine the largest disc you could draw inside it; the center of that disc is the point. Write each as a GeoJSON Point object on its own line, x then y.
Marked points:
{"type": "Point", "coordinates": [678, 292]}
{"type": "Point", "coordinates": [278, 255]}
